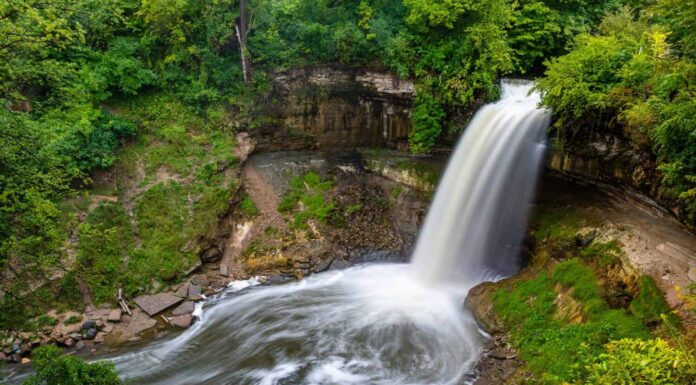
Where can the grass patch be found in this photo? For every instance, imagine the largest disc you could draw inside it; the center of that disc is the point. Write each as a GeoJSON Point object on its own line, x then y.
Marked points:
{"type": "Point", "coordinates": [72, 320]}
{"type": "Point", "coordinates": [549, 345]}
{"type": "Point", "coordinates": [307, 199]}
{"type": "Point", "coordinates": [248, 207]}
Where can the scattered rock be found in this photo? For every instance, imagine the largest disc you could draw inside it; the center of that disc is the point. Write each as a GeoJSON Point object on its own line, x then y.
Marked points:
{"type": "Point", "coordinates": [90, 324]}
{"type": "Point", "coordinates": [3, 357]}
{"type": "Point", "coordinates": [15, 358]}
{"type": "Point", "coordinates": [211, 255]}
{"type": "Point", "coordinates": [91, 333]}
{"type": "Point", "coordinates": [500, 354]}
{"type": "Point", "coordinates": [114, 315]}
{"type": "Point", "coordinates": [79, 345]}
{"type": "Point", "coordinates": [182, 291]}
{"type": "Point", "coordinates": [99, 338]}
{"type": "Point", "coordinates": [76, 336]}
{"type": "Point", "coordinates": [108, 328]}
{"type": "Point", "coordinates": [182, 321]}
{"type": "Point", "coordinates": [25, 361]}
{"type": "Point", "coordinates": [154, 304]}
{"type": "Point", "coordinates": [130, 329]}
{"type": "Point", "coordinates": [185, 308]}
{"type": "Point", "coordinates": [194, 290]}
{"type": "Point", "coordinates": [224, 270]}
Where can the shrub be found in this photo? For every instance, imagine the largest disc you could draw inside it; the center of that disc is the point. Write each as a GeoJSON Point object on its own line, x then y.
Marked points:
{"type": "Point", "coordinates": [638, 362]}
{"type": "Point", "coordinates": [52, 368]}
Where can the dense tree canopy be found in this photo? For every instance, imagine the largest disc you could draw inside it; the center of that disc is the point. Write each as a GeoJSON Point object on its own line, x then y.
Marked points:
{"type": "Point", "coordinates": [64, 64]}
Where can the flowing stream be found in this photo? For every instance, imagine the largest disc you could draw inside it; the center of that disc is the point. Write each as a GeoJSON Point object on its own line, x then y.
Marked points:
{"type": "Point", "coordinates": [381, 323]}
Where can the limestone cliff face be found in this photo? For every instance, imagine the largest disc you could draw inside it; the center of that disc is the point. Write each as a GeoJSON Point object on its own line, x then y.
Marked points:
{"type": "Point", "coordinates": [327, 107]}
{"type": "Point", "coordinates": [612, 159]}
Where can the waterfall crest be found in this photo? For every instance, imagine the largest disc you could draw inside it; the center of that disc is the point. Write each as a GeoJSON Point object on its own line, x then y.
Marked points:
{"type": "Point", "coordinates": [477, 220]}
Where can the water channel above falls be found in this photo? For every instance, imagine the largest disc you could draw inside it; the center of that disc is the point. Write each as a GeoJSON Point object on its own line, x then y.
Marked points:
{"type": "Point", "coordinates": [379, 323]}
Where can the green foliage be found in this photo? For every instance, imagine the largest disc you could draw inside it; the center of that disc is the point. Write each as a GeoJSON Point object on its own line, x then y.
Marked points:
{"type": "Point", "coordinates": [427, 123]}
{"type": "Point", "coordinates": [307, 200]}
{"type": "Point", "coordinates": [650, 303]}
{"type": "Point", "coordinates": [248, 207]}
{"type": "Point", "coordinates": [638, 362]}
{"type": "Point", "coordinates": [52, 368]}
{"type": "Point", "coordinates": [72, 320]}
{"type": "Point", "coordinates": [631, 78]}
{"type": "Point", "coordinates": [546, 339]}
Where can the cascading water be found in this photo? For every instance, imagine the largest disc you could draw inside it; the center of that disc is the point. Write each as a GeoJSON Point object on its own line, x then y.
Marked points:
{"type": "Point", "coordinates": [476, 222]}
{"type": "Point", "coordinates": [378, 324]}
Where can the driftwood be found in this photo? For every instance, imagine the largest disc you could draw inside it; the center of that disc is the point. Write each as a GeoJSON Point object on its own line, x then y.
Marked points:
{"type": "Point", "coordinates": [122, 302]}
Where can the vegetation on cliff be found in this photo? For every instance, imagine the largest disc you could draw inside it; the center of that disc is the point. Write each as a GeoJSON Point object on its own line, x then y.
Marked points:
{"type": "Point", "coordinates": [581, 318]}
{"type": "Point", "coordinates": [636, 77]}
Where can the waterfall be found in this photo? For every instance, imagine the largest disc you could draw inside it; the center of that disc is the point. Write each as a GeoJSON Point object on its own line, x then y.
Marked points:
{"type": "Point", "coordinates": [477, 220]}
{"type": "Point", "coordinates": [381, 324]}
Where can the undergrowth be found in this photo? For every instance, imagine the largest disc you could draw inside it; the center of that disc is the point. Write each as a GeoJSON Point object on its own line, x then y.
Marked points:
{"type": "Point", "coordinates": [307, 199]}
{"type": "Point", "coordinates": [565, 329]}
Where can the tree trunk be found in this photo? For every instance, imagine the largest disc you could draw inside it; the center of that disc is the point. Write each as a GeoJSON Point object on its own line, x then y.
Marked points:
{"type": "Point", "coordinates": [242, 29]}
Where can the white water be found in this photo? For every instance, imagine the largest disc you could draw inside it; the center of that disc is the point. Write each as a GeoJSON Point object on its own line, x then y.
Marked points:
{"type": "Point", "coordinates": [377, 324]}
{"type": "Point", "coordinates": [475, 224]}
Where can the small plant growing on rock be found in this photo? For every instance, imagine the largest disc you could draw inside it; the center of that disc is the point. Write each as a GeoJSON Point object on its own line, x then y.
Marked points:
{"type": "Point", "coordinates": [73, 320]}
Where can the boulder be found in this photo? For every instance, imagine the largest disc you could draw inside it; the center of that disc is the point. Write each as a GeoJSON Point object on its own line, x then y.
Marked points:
{"type": "Point", "coordinates": [183, 321]}
{"type": "Point", "coordinates": [185, 308]}
{"type": "Point", "coordinates": [25, 361]}
{"type": "Point", "coordinates": [154, 304]}
{"type": "Point", "coordinates": [114, 315]}
{"type": "Point", "coordinates": [76, 336]}
{"type": "Point", "coordinates": [91, 333]}
{"type": "Point", "coordinates": [99, 338]}
{"type": "Point", "coordinates": [479, 302]}
{"type": "Point", "coordinates": [90, 324]}
{"type": "Point", "coordinates": [79, 345]}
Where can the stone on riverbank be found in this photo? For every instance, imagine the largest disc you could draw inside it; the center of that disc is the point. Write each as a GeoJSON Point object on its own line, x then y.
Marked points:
{"type": "Point", "coordinates": [154, 304]}
{"type": "Point", "coordinates": [185, 308]}
{"type": "Point", "coordinates": [183, 321]}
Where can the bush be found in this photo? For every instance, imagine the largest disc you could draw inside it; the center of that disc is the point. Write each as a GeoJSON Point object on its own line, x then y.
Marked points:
{"type": "Point", "coordinates": [638, 362]}
{"type": "Point", "coordinates": [52, 368]}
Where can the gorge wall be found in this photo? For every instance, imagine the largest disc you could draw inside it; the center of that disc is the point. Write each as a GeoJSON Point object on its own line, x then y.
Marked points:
{"type": "Point", "coordinates": [330, 107]}
{"type": "Point", "coordinates": [340, 107]}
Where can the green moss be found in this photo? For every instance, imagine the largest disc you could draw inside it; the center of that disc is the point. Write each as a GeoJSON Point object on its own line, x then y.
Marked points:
{"type": "Point", "coordinates": [650, 302]}
{"type": "Point", "coordinates": [555, 225]}
{"type": "Point", "coordinates": [248, 207]}
{"type": "Point", "coordinates": [72, 320]}
{"type": "Point", "coordinates": [550, 344]}
{"type": "Point", "coordinates": [605, 253]}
